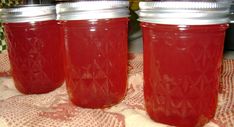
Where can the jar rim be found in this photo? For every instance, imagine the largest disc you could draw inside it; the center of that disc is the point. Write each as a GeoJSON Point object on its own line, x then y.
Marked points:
{"type": "Point", "coordinates": [187, 13]}
{"type": "Point", "coordinates": [28, 13]}
{"type": "Point", "coordinates": [183, 5]}
{"type": "Point", "coordinates": [83, 10]}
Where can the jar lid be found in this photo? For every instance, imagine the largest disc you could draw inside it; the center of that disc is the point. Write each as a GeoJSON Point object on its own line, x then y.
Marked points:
{"type": "Point", "coordinates": [84, 10]}
{"type": "Point", "coordinates": [28, 13]}
{"type": "Point", "coordinates": [185, 13]}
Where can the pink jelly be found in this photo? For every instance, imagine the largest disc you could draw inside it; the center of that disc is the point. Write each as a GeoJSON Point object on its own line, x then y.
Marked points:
{"type": "Point", "coordinates": [96, 53]}
{"type": "Point", "coordinates": [181, 80]}
{"type": "Point", "coordinates": [35, 49]}
{"type": "Point", "coordinates": [182, 61]}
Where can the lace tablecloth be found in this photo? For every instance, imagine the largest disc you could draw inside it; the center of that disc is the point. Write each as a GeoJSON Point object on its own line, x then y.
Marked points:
{"type": "Point", "coordinates": [55, 110]}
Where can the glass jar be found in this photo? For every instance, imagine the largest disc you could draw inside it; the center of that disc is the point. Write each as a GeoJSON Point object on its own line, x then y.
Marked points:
{"type": "Point", "coordinates": [183, 46]}
{"type": "Point", "coordinates": [34, 47]}
{"type": "Point", "coordinates": [95, 35]}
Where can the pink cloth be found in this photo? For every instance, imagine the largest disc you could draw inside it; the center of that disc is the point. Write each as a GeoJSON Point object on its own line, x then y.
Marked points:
{"type": "Point", "coordinates": [55, 110]}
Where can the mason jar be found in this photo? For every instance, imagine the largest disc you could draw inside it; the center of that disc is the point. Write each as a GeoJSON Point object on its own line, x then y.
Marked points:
{"type": "Point", "coordinates": [34, 47]}
{"type": "Point", "coordinates": [95, 34]}
{"type": "Point", "coordinates": [183, 49]}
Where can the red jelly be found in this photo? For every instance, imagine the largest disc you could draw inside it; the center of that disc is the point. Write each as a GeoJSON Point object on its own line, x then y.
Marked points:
{"type": "Point", "coordinates": [182, 63]}
{"type": "Point", "coordinates": [181, 79]}
{"type": "Point", "coordinates": [96, 57]}
{"type": "Point", "coordinates": [36, 54]}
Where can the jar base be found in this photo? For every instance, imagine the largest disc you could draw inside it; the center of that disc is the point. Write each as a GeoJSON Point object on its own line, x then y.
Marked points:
{"type": "Point", "coordinates": [192, 121]}
{"type": "Point", "coordinates": [38, 91]}
{"type": "Point", "coordinates": [98, 106]}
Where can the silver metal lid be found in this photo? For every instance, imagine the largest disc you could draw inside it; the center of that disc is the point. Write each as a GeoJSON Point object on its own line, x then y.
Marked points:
{"type": "Point", "coordinates": [28, 13]}
{"type": "Point", "coordinates": [85, 10]}
{"type": "Point", "coordinates": [185, 13]}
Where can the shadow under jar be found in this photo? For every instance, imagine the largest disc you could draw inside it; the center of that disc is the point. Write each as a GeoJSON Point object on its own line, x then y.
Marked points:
{"type": "Point", "coordinates": [34, 48]}
{"type": "Point", "coordinates": [183, 46]}
{"type": "Point", "coordinates": [95, 35]}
